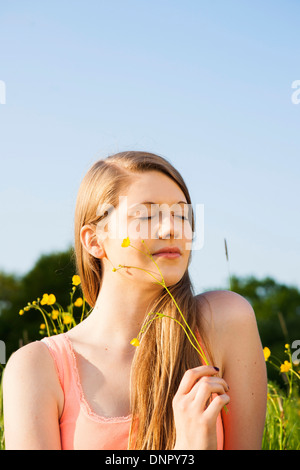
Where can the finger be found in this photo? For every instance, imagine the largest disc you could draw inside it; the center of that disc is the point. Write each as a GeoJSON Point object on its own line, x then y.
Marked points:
{"type": "Point", "coordinates": [207, 385]}
{"type": "Point", "coordinates": [192, 376]}
{"type": "Point", "coordinates": [216, 406]}
{"type": "Point", "coordinates": [205, 391]}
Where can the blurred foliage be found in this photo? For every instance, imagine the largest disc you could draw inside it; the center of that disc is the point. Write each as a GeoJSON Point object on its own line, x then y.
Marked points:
{"type": "Point", "coordinates": [277, 309]}
{"type": "Point", "coordinates": [51, 273]}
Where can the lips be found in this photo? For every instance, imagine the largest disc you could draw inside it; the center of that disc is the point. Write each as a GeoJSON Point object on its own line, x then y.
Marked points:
{"type": "Point", "coordinates": [169, 249]}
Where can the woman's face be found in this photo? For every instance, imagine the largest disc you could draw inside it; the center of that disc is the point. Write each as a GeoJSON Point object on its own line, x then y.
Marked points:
{"type": "Point", "coordinates": [154, 209]}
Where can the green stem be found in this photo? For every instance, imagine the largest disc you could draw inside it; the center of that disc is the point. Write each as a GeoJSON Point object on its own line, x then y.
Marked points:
{"type": "Point", "coordinates": [275, 365]}
{"type": "Point", "coordinates": [51, 319]}
{"type": "Point", "coordinates": [203, 355]}
{"type": "Point", "coordinates": [44, 316]}
{"type": "Point", "coordinates": [149, 256]}
{"type": "Point", "coordinates": [161, 315]}
{"type": "Point", "coordinates": [146, 324]}
{"type": "Point", "coordinates": [71, 300]}
{"type": "Point", "coordinates": [163, 284]}
{"type": "Point", "coordinates": [294, 372]}
{"type": "Point", "coordinates": [83, 309]}
{"type": "Point", "coordinates": [142, 269]}
{"type": "Point", "coordinates": [59, 322]}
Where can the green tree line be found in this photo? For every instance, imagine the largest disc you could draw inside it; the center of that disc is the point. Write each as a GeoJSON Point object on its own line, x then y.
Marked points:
{"type": "Point", "coordinates": [52, 273]}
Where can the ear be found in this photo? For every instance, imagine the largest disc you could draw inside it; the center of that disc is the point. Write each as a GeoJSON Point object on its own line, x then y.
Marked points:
{"type": "Point", "coordinates": [90, 242]}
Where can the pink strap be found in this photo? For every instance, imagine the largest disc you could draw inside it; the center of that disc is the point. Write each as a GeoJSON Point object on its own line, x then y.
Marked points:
{"type": "Point", "coordinates": [55, 349]}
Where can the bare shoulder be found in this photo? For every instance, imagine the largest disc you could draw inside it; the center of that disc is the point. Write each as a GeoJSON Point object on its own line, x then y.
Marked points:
{"type": "Point", "coordinates": [33, 356]}
{"type": "Point", "coordinates": [226, 318]}
{"type": "Point", "coordinates": [230, 325]}
{"type": "Point", "coordinates": [32, 367]}
{"type": "Point", "coordinates": [223, 308]}
{"type": "Point", "coordinates": [32, 400]}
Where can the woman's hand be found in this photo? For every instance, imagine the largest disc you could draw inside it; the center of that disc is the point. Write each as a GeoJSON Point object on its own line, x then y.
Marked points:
{"type": "Point", "coordinates": [196, 411]}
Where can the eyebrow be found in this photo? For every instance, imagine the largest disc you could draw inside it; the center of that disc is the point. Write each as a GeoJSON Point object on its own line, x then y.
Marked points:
{"type": "Point", "coordinates": [149, 202]}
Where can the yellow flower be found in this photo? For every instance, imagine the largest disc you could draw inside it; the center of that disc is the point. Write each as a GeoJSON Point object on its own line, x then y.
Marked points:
{"type": "Point", "coordinates": [54, 314]}
{"type": "Point", "coordinates": [267, 353]}
{"type": "Point", "coordinates": [76, 280]}
{"type": "Point", "coordinates": [114, 270]}
{"type": "Point", "coordinates": [78, 302]}
{"type": "Point", "coordinates": [44, 300]}
{"type": "Point", "coordinates": [51, 299]}
{"type": "Point", "coordinates": [48, 299]}
{"type": "Point", "coordinates": [21, 312]}
{"type": "Point", "coordinates": [135, 342]}
{"type": "Point", "coordinates": [42, 326]}
{"type": "Point", "coordinates": [287, 346]}
{"type": "Point", "coordinates": [126, 242]}
{"type": "Point", "coordinates": [285, 367]}
{"type": "Point", "coordinates": [67, 318]}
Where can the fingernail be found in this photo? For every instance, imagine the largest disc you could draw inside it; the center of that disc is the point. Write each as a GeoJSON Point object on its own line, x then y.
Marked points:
{"type": "Point", "coordinates": [216, 368]}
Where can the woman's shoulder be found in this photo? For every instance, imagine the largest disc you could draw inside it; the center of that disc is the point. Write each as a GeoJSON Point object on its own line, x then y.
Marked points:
{"type": "Point", "coordinates": [225, 317]}
{"type": "Point", "coordinates": [32, 399]}
{"type": "Point", "coordinates": [223, 307]}
{"type": "Point", "coordinates": [33, 354]}
{"type": "Point", "coordinates": [32, 367]}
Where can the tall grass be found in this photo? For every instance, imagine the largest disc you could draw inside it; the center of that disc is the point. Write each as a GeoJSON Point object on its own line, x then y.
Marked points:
{"type": "Point", "coordinates": [282, 427]}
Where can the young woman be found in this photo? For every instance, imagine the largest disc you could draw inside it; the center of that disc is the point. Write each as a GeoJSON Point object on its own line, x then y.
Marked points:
{"type": "Point", "coordinates": [91, 388]}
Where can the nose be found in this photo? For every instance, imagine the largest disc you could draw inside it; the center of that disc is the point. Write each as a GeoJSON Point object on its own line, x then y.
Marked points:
{"type": "Point", "coordinates": [166, 226]}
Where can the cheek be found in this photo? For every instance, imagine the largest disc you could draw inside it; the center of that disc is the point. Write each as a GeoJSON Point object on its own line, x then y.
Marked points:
{"type": "Point", "coordinates": [117, 254]}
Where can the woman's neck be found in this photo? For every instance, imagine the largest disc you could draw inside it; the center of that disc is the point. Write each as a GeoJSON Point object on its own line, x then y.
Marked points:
{"type": "Point", "coordinates": [119, 312]}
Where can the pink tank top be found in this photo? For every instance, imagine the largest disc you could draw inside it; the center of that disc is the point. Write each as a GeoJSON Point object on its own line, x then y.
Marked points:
{"type": "Point", "coordinates": [80, 427]}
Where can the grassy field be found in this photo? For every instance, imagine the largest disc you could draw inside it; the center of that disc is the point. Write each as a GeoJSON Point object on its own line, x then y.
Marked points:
{"type": "Point", "coordinates": [282, 427]}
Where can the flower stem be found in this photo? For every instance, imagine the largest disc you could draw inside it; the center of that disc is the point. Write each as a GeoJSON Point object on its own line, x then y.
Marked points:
{"type": "Point", "coordinates": [163, 284]}
{"type": "Point", "coordinates": [202, 353]}
{"type": "Point", "coordinates": [142, 269]}
{"type": "Point", "coordinates": [161, 315]}
{"type": "Point", "coordinates": [83, 309]}
{"type": "Point", "coordinates": [44, 316]}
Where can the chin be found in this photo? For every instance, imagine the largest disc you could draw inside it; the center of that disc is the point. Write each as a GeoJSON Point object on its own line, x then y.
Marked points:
{"type": "Point", "coordinates": [172, 280]}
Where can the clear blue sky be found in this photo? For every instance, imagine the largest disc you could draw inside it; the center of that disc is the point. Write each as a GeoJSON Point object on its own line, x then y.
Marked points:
{"type": "Point", "coordinates": [205, 84]}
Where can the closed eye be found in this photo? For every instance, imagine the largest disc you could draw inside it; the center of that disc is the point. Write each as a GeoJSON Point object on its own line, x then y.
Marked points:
{"type": "Point", "coordinates": [151, 217]}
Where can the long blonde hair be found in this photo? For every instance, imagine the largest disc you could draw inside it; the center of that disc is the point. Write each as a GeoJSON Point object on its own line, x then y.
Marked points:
{"type": "Point", "coordinates": [161, 360]}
